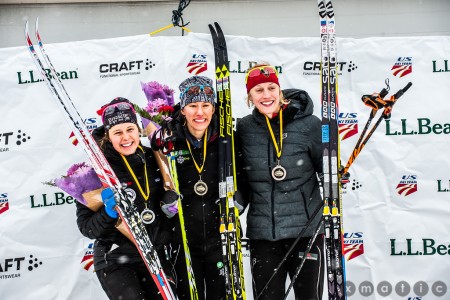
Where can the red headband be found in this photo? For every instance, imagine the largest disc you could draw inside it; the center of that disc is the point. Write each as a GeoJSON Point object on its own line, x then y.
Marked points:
{"type": "Point", "coordinates": [261, 74]}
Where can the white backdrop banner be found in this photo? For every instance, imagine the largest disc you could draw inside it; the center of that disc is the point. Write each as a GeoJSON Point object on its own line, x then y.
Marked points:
{"type": "Point", "coordinates": [396, 205]}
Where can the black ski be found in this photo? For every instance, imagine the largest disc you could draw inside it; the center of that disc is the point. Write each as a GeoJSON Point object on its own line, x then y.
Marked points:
{"type": "Point", "coordinates": [330, 146]}
{"type": "Point", "coordinates": [230, 229]}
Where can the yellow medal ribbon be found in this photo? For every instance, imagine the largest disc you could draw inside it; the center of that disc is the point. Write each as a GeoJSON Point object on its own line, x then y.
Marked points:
{"type": "Point", "coordinates": [199, 169]}
{"type": "Point", "coordinates": [279, 150]}
{"type": "Point", "coordinates": [147, 187]}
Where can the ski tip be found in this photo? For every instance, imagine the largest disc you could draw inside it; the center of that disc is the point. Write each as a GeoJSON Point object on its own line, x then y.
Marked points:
{"type": "Point", "coordinates": [38, 36]}
{"type": "Point", "coordinates": [37, 28]}
{"type": "Point", "coordinates": [27, 36]}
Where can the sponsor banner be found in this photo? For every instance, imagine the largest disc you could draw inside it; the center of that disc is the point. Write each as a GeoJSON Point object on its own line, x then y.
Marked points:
{"type": "Point", "coordinates": [395, 204]}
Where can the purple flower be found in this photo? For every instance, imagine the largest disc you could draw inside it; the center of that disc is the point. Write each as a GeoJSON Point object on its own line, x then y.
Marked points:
{"type": "Point", "coordinates": [154, 90]}
{"type": "Point", "coordinates": [81, 178]}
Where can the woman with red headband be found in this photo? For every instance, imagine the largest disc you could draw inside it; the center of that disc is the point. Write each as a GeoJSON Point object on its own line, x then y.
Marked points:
{"type": "Point", "coordinates": [281, 147]}
{"type": "Point", "coordinates": [118, 264]}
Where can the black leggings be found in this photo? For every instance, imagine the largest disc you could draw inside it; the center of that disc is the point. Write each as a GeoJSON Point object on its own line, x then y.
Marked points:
{"type": "Point", "coordinates": [265, 257]}
{"type": "Point", "coordinates": [130, 282]}
{"type": "Point", "coordinates": [209, 279]}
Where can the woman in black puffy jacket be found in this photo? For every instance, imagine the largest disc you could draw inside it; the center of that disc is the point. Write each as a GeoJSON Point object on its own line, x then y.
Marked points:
{"type": "Point", "coordinates": [281, 146]}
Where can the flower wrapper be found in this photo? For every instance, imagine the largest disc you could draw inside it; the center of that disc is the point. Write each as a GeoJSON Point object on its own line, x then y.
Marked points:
{"type": "Point", "coordinates": [81, 178]}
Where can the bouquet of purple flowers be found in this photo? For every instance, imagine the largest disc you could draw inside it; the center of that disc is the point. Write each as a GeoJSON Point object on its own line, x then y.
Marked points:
{"type": "Point", "coordinates": [159, 103]}
{"type": "Point", "coordinates": [80, 179]}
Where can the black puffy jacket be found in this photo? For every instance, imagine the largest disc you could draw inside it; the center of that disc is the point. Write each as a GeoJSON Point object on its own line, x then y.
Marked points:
{"type": "Point", "coordinates": [101, 227]}
{"type": "Point", "coordinates": [280, 209]}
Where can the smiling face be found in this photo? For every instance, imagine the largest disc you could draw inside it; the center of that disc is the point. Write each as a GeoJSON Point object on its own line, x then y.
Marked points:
{"type": "Point", "coordinates": [198, 116]}
{"type": "Point", "coordinates": [266, 98]}
{"type": "Point", "coordinates": [124, 138]}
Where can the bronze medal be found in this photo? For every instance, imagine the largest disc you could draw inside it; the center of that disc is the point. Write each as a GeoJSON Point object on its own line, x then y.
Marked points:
{"type": "Point", "coordinates": [147, 216]}
{"type": "Point", "coordinates": [200, 188]}
{"type": "Point", "coordinates": [278, 172]}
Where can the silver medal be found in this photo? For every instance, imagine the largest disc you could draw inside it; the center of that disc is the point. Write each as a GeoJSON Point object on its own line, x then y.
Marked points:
{"type": "Point", "coordinates": [147, 216]}
{"type": "Point", "coordinates": [278, 173]}
{"type": "Point", "coordinates": [200, 188]}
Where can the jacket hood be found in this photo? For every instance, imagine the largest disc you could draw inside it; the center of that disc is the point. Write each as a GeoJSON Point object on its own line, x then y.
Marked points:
{"type": "Point", "coordinates": [300, 100]}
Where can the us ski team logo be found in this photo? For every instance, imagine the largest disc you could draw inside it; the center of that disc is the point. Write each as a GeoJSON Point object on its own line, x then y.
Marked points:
{"type": "Point", "coordinates": [91, 124]}
{"type": "Point", "coordinates": [353, 245]}
{"type": "Point", "coordinates": [88, 258]}
{"type": "Point", "coordinates": [197, 64]}
{"type": "Point", "coordinates": [402, 67]}
{"type": "Point", "coordinates": [407, 185]}
{"type": "Point", "coordinates": [348, 125]}
{"type": "Point", "coordinates": [4, 203]}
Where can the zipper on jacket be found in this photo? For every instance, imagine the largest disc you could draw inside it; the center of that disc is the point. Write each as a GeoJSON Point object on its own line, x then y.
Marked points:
{"type": "Point", "coordinates": [304, 202]}
{"type": "Point", "coordinates": [272, 198]}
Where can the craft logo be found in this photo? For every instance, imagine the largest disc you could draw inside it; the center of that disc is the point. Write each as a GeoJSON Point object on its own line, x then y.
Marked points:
{"type": "Point", "coordinates": [55, 199]}
{"type": "Point", "coordinates": [407, 185]}
{"type": "Point", "coordinates": [91, 124]}
{"type": "Point", "coordinates": [11, 267]}
{"type": "Point", "coordinates": [31, 77]}
{"type": "Point", "coordinates": [442, 66]}
{"type": "Point", "coordinates": [348, 125]}
{"type": "Point", "coordinates": [88, 259]}
{"type": "Point", "coordinates": [425, 246]}
{"type": "Point", "coordinates": [353, 245]}
{"type": "Point", "coordinates": [4, 203]}
{"type": "Point", "coordinates": [402, 67]}
{"type": "Point", "coordinates": [8, 138]}
{"type": "Point", "coordinates": [352, 185]}
{"type": "Point", "coordinates": [242, 67]}
{"type": "Point", "coordinates": [423, 126]}
{"type": "Point", "coordinates": [197, 64]}
{"type": "Point", "coordinates": [442, 187]}
{"type": "Point", "coordinates": [125, 68]}
{"type": "Point", "coordinates": [313, 67]}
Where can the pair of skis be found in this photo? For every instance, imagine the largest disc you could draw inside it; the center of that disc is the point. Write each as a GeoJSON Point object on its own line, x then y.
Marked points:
{"type": "Point", "coordinates": [128, 213]}
{"type": "Point", "coordinates": [230, 228]}
{"type": "Point", "coordinates": [332, 212]}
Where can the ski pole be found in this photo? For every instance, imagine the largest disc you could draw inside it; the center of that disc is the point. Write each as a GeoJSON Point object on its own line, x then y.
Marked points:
{"type": "Point", "coordinates": [376, 103]}
{"type": "Point", "coordinates": [302, 262]}
{"type": "Point", "coordinates": [299, 236]}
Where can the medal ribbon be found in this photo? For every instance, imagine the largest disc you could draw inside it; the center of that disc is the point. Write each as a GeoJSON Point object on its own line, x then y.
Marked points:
{"type": "Point", "coordinates": [199, 169]}
{"type": "Point", "coordinates": [279, 150]}
{"type": "Point", "coordinates": [147, 187]}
